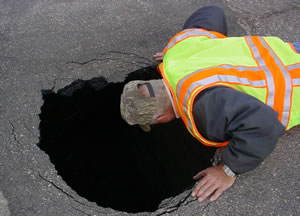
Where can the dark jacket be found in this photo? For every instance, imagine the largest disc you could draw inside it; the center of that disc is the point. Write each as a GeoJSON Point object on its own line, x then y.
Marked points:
{"type": "Point", "coordinates": [251, 127]}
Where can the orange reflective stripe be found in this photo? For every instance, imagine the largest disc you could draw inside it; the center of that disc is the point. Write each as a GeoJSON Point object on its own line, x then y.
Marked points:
{"type": "Point", "coordinates": [279, 98]}
{"type": "Point", "coordinates": [186, 82]}
{"type": "Point", "coordinates": [287, 81]}
{"type": "Point", "coordinates": [294, 70]}
{"type": "Point", "coordinates": [277, 77]}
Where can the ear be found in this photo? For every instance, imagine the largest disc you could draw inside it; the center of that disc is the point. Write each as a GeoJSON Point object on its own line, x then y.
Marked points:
{"type": "Point", "coordinates": [165, 118]}
{"type": "Point", "coordinates": [162, 118]}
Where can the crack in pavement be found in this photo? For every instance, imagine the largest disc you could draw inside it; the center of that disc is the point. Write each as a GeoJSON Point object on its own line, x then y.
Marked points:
{"type": "Point", "coordinates": [141, 64]}
{"type": "Point", "coordinates": [57, 187]}
{"type": "Point", "coordinates": [187, 198]}
{"type": "Point", "coordinates": [89, 61]}
{"type": "Point", "coordinates": [14, 135]}
{"type": "Point", "coordinates": [66, 193]}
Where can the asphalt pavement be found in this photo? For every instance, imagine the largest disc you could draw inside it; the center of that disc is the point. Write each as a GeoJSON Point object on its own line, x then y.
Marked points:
{"type": "Point", "coordinates": [47, 44]}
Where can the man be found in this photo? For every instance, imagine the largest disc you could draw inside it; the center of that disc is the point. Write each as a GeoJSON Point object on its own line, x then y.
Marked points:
{"type": "Point", "coordinates": [236, 93]}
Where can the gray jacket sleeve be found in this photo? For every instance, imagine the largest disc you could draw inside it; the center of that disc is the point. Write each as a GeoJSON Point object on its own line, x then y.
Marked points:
{"type": "Point", "coordinates": [251, 127]}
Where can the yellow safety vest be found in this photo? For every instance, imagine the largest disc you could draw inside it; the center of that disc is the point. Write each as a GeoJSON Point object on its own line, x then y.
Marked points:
{"type": "Point", "coordinates": [264, 67]}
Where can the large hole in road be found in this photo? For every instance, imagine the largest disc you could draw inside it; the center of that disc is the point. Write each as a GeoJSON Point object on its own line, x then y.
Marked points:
{"type": "Point", "coordinates": [109, 162]}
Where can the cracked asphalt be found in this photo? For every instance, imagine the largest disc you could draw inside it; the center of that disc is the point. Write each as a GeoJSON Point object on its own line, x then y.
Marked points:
{"type": "Point", "coordinates": [47, 44]}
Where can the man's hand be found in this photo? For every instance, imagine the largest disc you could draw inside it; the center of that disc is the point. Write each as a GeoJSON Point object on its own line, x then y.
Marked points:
{"type": "Point", "coordinates": [159, 56]}
{"type": "Point", "coordinates": [214, 182]}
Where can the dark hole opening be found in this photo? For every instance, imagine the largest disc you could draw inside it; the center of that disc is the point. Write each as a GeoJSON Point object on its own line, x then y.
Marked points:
{"type": "Point", "coordinates": [109, 162]}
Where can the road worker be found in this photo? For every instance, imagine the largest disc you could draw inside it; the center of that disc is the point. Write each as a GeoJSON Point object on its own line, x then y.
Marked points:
{"type": "Point", "coordinates": [236, 93]}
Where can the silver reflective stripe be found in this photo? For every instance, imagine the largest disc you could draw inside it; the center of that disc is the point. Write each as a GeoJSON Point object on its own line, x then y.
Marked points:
{"type": "Point", "coordinates": [267, 72]}
{"type": "Point", "coordinates": [296, 81]}
{"type": "Point", "coordinates": [239, 68]}
{"type": "Point", "coordinates": [201, 30]}
{"type": "Point", "coordinates": [190, 32]}
{"type": "Point", "coordinates": [288, 84]}
{"type": "Point", "coordinates": [292, 67]}
{"type": "Point", "coordinates": [223, 78]}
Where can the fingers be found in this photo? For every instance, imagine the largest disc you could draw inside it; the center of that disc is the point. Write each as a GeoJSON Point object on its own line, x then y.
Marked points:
{"type": "Point", "coordinates": [212, 185]}
{"type": "Point", "coordinates": [202, 190]}
{"type": "Point", "coordinates": [221, 189]}
{"type": "Point", "coordinates": [206, 193]}
{"type": "Point", "coordinates": [217, 194]}
{"type": "Point", "coordinates": [199, 175]}
{"type": "Point", "coordinates": [206, 189]}
{"type": "Point", "coordinates": [158, 56]}
{"type": "Point", "coordinates": [199, 187]}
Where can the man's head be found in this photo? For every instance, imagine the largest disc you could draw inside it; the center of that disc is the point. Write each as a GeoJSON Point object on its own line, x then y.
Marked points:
{"type": "Point", "coordinates": [146, 103]}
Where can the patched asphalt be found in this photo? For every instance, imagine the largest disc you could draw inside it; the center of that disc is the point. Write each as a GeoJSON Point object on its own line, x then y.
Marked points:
{"type": "Point", "coordinates": [49, 44]}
